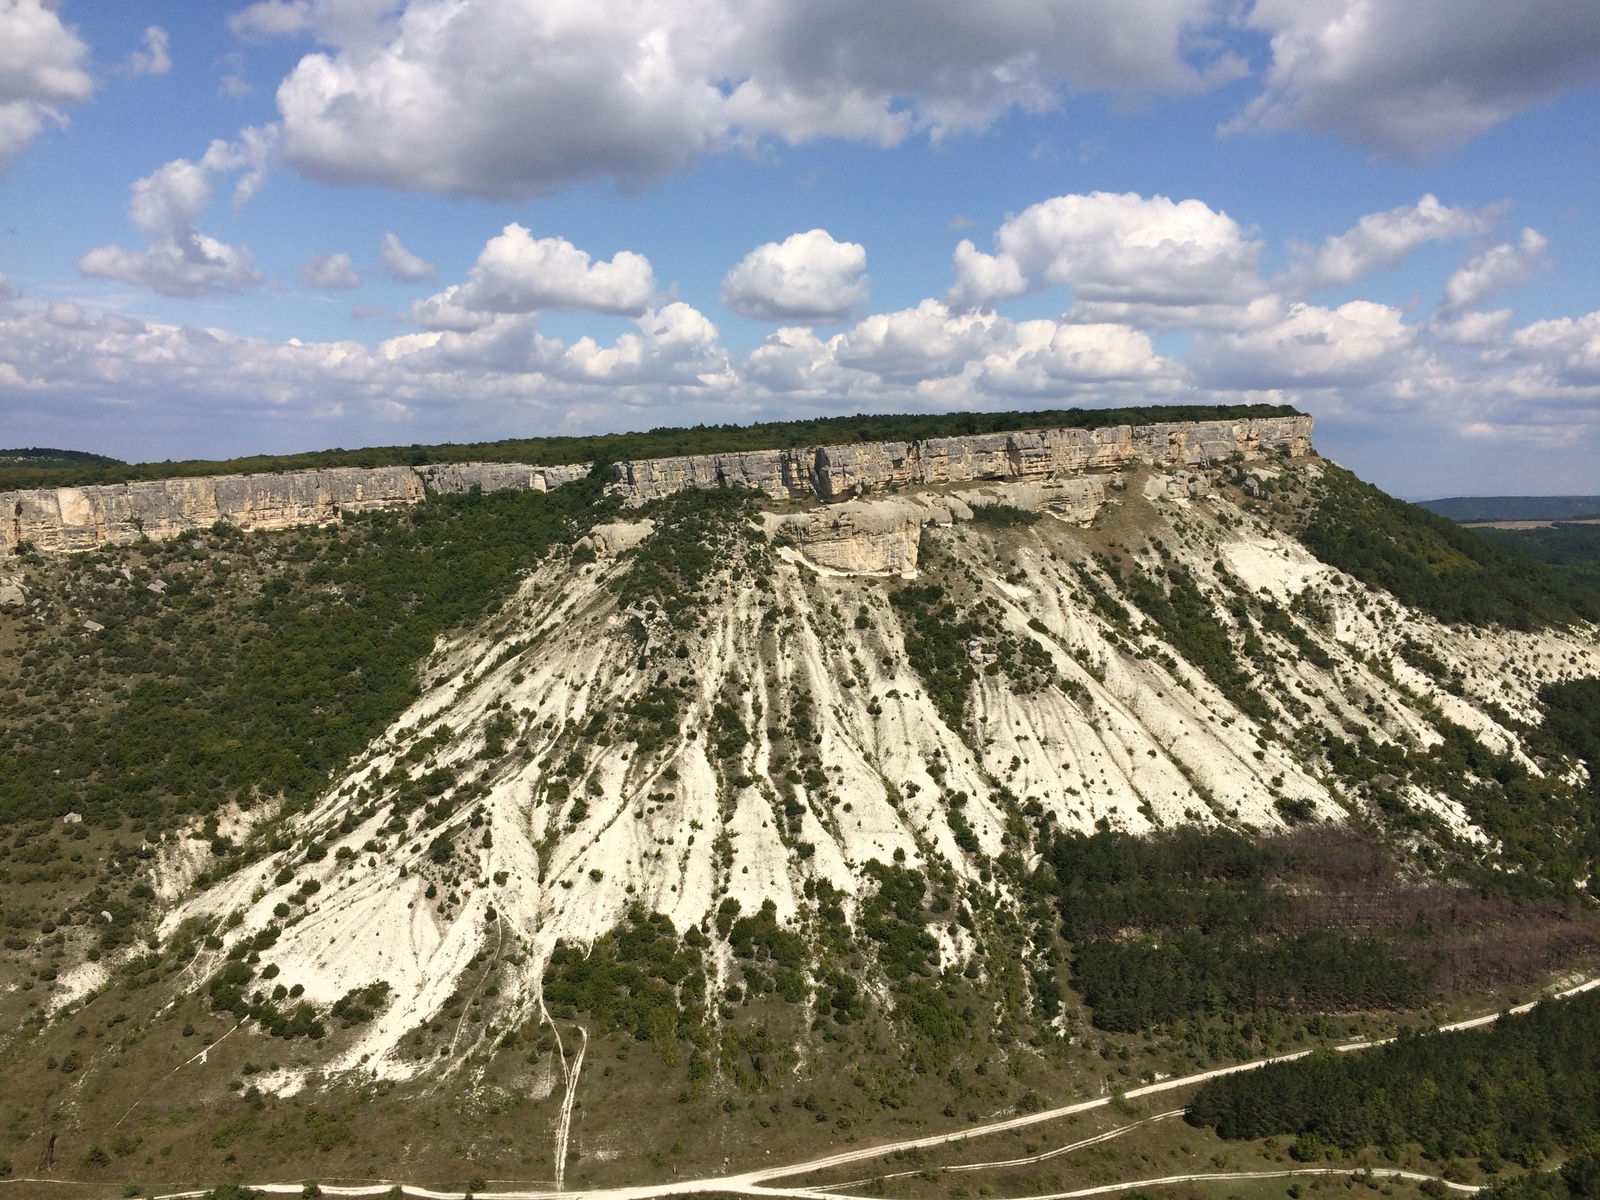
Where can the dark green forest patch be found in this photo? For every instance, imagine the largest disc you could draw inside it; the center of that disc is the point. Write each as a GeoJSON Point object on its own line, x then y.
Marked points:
{"type": "Point", "coordinates": [1519, 1090]}
{"type": "Point", "coordinates": [640, 978]}
{"type": "Point", "coordinates": [1434, 565]}
{"type": "Point", "coordinates": [1571, 548]}
{"type": "Point", "coordinates": [1194, 924]}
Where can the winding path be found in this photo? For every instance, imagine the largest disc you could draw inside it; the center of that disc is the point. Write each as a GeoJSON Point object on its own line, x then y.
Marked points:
{"type": "Point", "coordinates": [758, 1183]}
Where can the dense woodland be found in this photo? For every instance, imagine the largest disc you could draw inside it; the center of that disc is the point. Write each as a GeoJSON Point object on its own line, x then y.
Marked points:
{"type": "Point", "coordinates": [1432, 564]}
{"type": "Point", "coordinates": [1570, 548]}
{"type": "Point", "coordinates": [1519, 1090]}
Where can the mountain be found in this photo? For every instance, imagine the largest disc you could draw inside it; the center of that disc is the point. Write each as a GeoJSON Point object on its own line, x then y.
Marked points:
{"type": "Point", "coordinates": [617, 823]}
{"type": "Point", "coordinates": [1514, 508]}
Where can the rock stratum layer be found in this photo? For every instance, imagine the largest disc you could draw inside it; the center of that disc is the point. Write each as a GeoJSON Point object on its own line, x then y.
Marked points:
{"type": "Point", "coordinates": [69, 519]}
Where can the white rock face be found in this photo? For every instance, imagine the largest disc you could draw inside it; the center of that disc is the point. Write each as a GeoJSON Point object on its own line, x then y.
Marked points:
{"type": "Point", "coordinates": [1129, 735]}
{"type": "Point", "coordinates": [860, 537]}
{"type": "Point", "coordinates": [618, 536]}
{"type": "Point", "coordinates": [74, 519]}
{"type": "Point", "coordinates": [11, 590]}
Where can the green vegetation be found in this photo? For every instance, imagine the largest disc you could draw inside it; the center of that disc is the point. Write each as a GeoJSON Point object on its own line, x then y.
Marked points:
{"type": "Point", "coordinates": [1574, 550]}
{"type": "Point", "coordinates": [1187, 620]}
{"type": "Point", "coordinates": [1571, 724]}
{"type": "Point", "coordinates": [1519, 1090]}
{"type": "Point", "coordinates": [1434, 565]}
{"type": "Point", "coordinates": [1133, 985]}
{"type": "Point", "coordinates": [936, 638]}
{"type": "Point", "coordinates": [947, 646]}
{"type": "Point", "coordinates": [699, 533]}
{"type": "Point", "coordinates": [657, 443]}
{"type": "Point", "coordinates": [1546, 826]}
{"type": "Point", "coordinates": [926, 1006]}
{"type": "Point", "coordinates": [38, 458]}
{"type": "Point", "coordinates": [1003, 516]}
{"type": "Point", "coordinates": [639, 978]}
{"type": "Point", "coordinates": [1196, 923]}
{"type": "Point", "coordinates": [234, 666]}
{"type": "Point", "coordinates": [1577, 1179]}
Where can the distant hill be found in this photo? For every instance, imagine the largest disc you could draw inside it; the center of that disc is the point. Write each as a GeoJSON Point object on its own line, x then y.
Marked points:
{"type": "Point", "coordinates": [41, 458]}
{"type": "Point", "coordinates": [1514, 508]}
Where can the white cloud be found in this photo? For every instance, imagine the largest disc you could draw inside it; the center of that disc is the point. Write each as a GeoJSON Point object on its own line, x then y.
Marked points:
{"type": "Point", "coordinates": [272, 18]}
{"type": "Point", "coordinates": [180, 260]}
{"type": "Point", "coordinates": [1310, 347]}
{"type": "Point", "coordinates": [41, 68]}
{"type": "Point", "coordinates": [402, 265]}
{"type": "Point", "coordinates": [928, 351]}
{"type": "Point", "coordinates": [518, 273]}
{"type": "Point", "coordinates": [1126, 257]}
{"type": "Point", "coordinates": [1409, 77]}
{"type": "Point", "coordinates": [1472, 328]}
{"type": "Point", "coordinates": [1567, 349]}
{"type": "Point", "coordinates": [507, 99]}
{"type": "Point", "coordinates": [806, 277]}
{"type": "Point", "coordinates": [1378, 240]}
{"type": "Point", "coordinates": [330, 272]}
{"type": "Point", "coordinates": [916, 342]}
{"type": "Point", "coordinates": [1495, 270]}
{"type": "Point", "coordinates": [154, 59]}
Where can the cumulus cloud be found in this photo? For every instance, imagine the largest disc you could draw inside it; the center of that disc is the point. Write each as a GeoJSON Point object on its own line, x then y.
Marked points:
{"type": "Point", "coordinates": [1310, 347]}
{"type": "Point", "coordinates": [154, 59]}
{"type": "Point", "coordinates": [1495, 270]}
{"type": "Point", "coordinates": [1151, 261]}
{"type": "Point", "coordinates": [507, 99]}
{"type": "Point", "coordinates": [806, 277]}
{"type": "Point", "coordinates": [518, 273]}
{"type": "Point", "coordinates": [1471, 328]}
{"type": "Point", "coordinates": [975, 357]}
{"type": "Point", "coordinates": [402, 265]}
{"type": "Point", "coordinates": [41, 68]}
{"type": "Point", "coordinates": [1409, 77]}
{"type": "Point", "coordinates": [180, 260]}
{"type": "Point", "coordinates": [1378, 240]}
{"type": "Point", "coordinates": [330, 272]}
{"type": "Point", "coordinates": [1567, 349]}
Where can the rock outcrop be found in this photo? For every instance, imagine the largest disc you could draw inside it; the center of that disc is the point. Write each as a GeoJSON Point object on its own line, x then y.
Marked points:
{"type": "Point", "coordinates": [70, 519]}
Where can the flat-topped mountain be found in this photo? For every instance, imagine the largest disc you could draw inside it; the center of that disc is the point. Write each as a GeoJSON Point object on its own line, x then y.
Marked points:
{"type": "Point", "coordinates": [879, 783]}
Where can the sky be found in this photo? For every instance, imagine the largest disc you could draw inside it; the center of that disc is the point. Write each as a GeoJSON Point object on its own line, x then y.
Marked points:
{"type": "Point", "coordinates": [237, 228]}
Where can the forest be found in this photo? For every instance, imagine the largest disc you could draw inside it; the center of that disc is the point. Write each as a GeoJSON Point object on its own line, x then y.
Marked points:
{"type": "Point", "coordinates": [1570, 547]}
{"type": "Point", "coordinates": [1432, 564]}
{"type": "Point", "coordinates": [1519, 1090]}
{"type": "Point", "coordinates": [1191, 923]}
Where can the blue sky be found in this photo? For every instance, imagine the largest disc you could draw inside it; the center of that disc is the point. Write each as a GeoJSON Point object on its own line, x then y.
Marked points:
{"type": "Point", "coordinates": [238, 228]}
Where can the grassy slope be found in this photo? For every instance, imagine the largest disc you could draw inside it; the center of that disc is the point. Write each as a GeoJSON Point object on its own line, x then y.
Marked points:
{"type": "Point", "coordinates": [657, 443]}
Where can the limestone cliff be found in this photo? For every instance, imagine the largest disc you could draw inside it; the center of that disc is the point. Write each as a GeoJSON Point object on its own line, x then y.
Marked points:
{"type": "Point", "coordinates": [75, 519]}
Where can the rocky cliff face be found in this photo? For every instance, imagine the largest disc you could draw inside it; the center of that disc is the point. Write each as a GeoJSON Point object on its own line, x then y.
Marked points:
{"type": "Point", "coordinates": [59, 520]}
